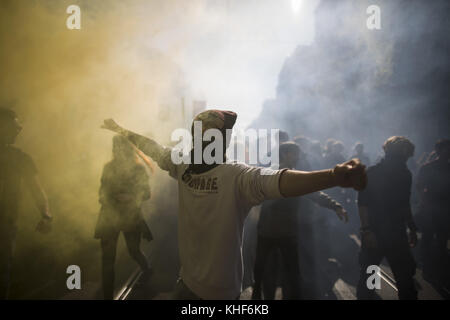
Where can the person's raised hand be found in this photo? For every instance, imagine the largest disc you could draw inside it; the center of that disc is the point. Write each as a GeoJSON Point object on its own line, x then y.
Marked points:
{"type": "Point", "coordinates": [351, 174]}
{"type": "Point", "coordinates": [110, 124]}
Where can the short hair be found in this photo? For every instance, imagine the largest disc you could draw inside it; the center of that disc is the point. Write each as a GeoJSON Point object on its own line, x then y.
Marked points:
{"type": "Point", "coordinates": [283, 136]}
{"type": "Point", "coordinates": [7, 114]}
{"type": "Point", "coordinates": [357, 145]}
{"type": "Point", "coordinates": [398, 145]}
{"type": "Point", "coordinates": [329, 143]}
{"type": "Point", "coordinates": [441, 145]}
{"type": "Point", "coordinates": [338, 146]}
{"type": "Point", "coordinates": [289, 146]}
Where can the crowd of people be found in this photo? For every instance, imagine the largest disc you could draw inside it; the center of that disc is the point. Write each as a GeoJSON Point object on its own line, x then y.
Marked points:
{"type": "Point", "coordinates": [394, 204]}
{"type": "Point", "coordinates": [383, 215]}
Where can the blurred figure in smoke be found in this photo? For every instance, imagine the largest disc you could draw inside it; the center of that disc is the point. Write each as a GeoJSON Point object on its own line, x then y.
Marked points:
{"type": "Point", "coordinates": [385, 213]}
{"type": "Point", "coordinates": [360, 154]}
{"type": "Point", "coordinates": [304, 158]}
{"type": "Point", "coordinates": [278, 230]}
{"type": "Point", "coordinates": [303, 142]}
{"type": "Point", "coordinates": [216, 197]}
{"type": "Point", "coordinates": [333, 153]}
{"type": "Point", "coordinates": [124, 186]}
{"type": "Point", "coordinates": [16, 168]}
{"type": "Point", "coordinates": [327, 149]}
{"type": "Point", "coordinates": [315, 155]}
{"type": "Point", "coordinates": [433, 184]}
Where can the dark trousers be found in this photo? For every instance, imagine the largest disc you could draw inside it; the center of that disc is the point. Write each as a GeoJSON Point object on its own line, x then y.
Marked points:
{"type": "Point", "coordinates": [7, 245]}
{"type": "Point", "coordinates": [288, 247]}
{"type": "Point", "coordinates": [182, 292]}
{"type": "Point", "coordinates": [109, 247]}
{"type": "Point", "coordinates": [402, 265]}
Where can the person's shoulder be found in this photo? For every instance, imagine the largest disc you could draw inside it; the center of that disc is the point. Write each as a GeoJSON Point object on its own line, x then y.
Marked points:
{"type": "Point", "coordinates": [20, 156]}
{"type": "Point", "coordinates": [108, 167]}
{"type": "Point", "coordinates": [18, 153]}
{"type": "Point", "coordinates": [374, 168]}
{"type": "Point", "coordinates": [234, 165]}
{"type": "Point", "coordinates": [375, 173]}
{"type": "Point", "coordinates": [22, 160]}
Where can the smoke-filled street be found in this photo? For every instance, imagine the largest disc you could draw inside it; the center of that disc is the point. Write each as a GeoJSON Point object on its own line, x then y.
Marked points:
{"type": "Point", "coordinates": [224, 150]}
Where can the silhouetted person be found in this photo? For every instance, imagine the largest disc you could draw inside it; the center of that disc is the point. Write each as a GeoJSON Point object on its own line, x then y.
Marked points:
{"type": "Point", "coordinates": [124, 186]}
{"type": "Point", "coordinates": [303, 142]}
{"type": "Point", "coordinates": [215, 198]}
{"type": "Point", "coordinates": [433, 184]}
{"type": "Point", "coordinates": [385, 213]}
{"type": "Point", "coordinates": [333, 153]}
{"type": "Point", "coordinates": [315, 156]}
{"type": "Point", "coordinates": [278, 230]}
{"type": "Point", "coordinates": [304, 160]}
{"type": "Point", "coordinates": [360, 154]}
{"type": "Point", "coordinates": [16, 169]}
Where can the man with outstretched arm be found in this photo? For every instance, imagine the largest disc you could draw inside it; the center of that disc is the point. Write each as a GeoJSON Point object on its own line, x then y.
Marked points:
{"type": "Point", "coordinates": [214, 200]}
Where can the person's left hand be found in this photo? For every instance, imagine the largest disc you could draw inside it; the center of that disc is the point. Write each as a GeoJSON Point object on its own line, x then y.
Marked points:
{"type": "Point", "coordinates": [412, 235]}
{"type": "Point", "coordinates": [342, 214]}
{"type": "Point", "coordinates": [44, 226]}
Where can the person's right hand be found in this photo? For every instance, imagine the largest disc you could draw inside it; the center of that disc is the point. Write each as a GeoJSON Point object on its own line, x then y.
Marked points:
{"type": "Point", "coordinates": [368, 239]}
{"type": "Point", "coordinates": [110, 124]}
{"type": "Point", "coordinates": [351, 174]}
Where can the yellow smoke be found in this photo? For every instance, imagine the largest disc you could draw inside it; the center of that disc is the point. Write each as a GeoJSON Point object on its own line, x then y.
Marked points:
{"type": "Point", "coordinates": [63, 83]}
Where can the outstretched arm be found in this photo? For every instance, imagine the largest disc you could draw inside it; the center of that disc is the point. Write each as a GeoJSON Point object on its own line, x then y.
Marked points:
{"type": "Point", "coordinates": [323, 200]}
{"type": "Point", "coordinates": [147, 145]}
{"type": "Point", "coordinates": [295, 183]}
{"type": "Point", "coordinates": [160, 154]}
